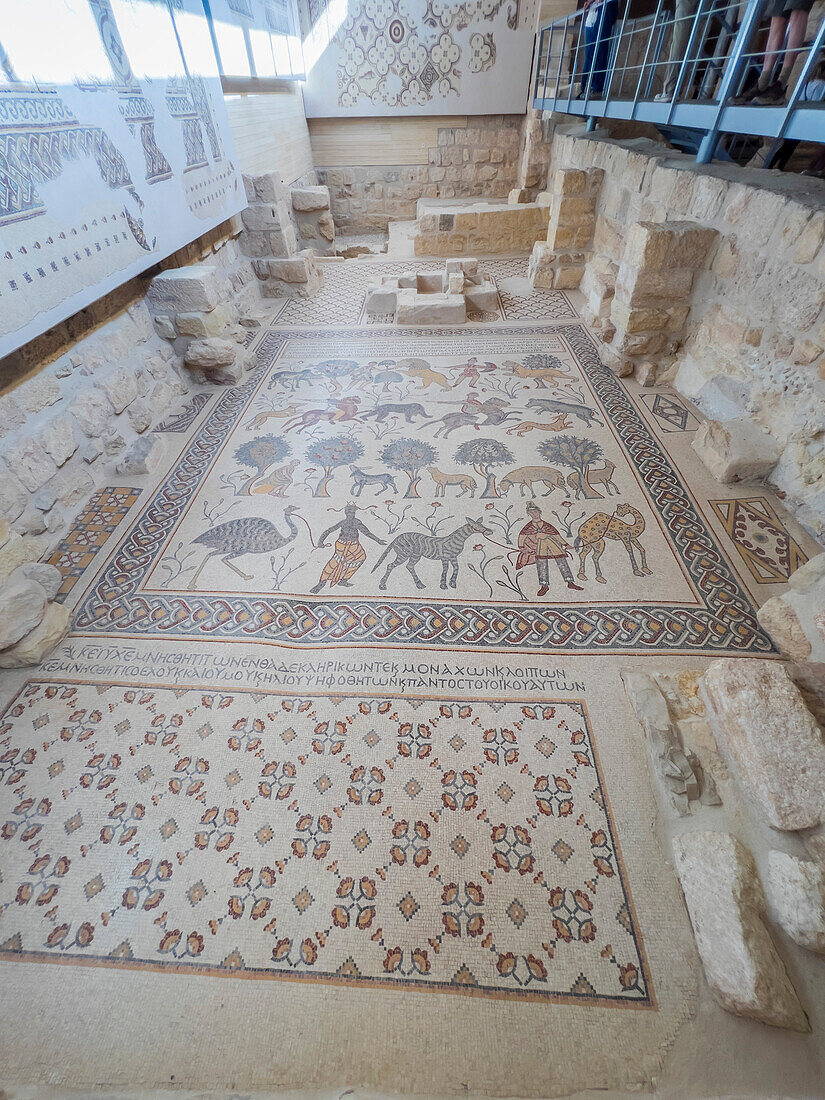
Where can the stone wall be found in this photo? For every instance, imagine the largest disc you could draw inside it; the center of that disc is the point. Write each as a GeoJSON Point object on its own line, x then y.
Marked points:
{"type": "Point", "coordinates": [481, 158]}
{"type": "Point", "coordinates": [80, 400]}
{"type": "Point", "coordinates": [737, 326]}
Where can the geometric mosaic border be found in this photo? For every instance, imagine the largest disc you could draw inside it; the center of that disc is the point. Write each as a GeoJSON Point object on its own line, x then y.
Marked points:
{"type": "Point", "coordinates": [724, 623]}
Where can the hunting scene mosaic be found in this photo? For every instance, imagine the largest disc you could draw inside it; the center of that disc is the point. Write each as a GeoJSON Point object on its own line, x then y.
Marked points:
{"type": "Point", "coordinates": [436, 843]}
{"type": "Point", "coordinates": [494, 490]}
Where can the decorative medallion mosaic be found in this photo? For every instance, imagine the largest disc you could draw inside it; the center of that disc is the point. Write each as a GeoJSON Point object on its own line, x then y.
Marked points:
{"type": "Point", "coordinates": [427, 843]}
{"type": "Point", "coordinates": [761, 538]}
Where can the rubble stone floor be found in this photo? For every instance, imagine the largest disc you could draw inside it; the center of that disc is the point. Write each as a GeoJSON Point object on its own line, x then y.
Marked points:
{"type": "Point", "coordinates": [328, 743]}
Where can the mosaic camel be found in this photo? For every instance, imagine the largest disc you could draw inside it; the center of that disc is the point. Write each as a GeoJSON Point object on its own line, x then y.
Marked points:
{"type": "Point", "coordinates": [594, 531]}
{"type": "Point", "coordinates": [410, 546]}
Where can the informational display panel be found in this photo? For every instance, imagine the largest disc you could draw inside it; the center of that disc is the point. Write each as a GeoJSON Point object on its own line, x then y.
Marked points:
{"type": "Point", "coordinates": [416, 57]}
{"type": "Point", "coordinates": [115, 149]}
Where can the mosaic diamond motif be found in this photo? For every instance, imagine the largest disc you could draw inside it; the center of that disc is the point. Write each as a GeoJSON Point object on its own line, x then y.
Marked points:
{"type": "Point", "coordinates": [301, 885]}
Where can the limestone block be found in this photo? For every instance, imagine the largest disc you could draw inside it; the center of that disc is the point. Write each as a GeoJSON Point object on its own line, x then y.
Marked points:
{"type": "Point", "coordinates": [30, 463]}
{"type": "Point", "coordinates": [639, 287]}
{"type": "Point", "coordinates": [165, 327]}
{"type": "Point", "coordinates": [781, 621]}
{"type": "Point", "coordinates": [72, 485]}
{"type": "Point", "coordinates": [37, 393]}
{"type": "Point", "coordinates": [305, 199]}
{"type": "Point", "coordinates": [41, 641]}
{"type": "Point", "coordinates": [481, 298]}
{"type": "Point", "coordinates": [429, 309]}
{"type": "Point", "coordinates": [58, 439]}
{"type": "Point", "coordinates": [22, 606]}
{"type": "Point", "coordinates": [268, 187]}
{"type": "Point", "coordinates": [725, 902]}
{"type": "Point", "coordinates": [162, 398]}
{"type": "Point", "coordinates": [294, 269]}
{"type": "Point", "coordinates": [265, 217]}
{"type": "Point", "coordinates": [670, 763]}
{"type": "Point", "coordinates": [11, 415]}
{"type": "Point", "coordinates": [810, 240]}
{"type": "Point", "coordinates": [796, 894]}
{"type": "Point", "coordinates": [198, 323]}
{"type": "Point", "coordinates": [518, 195]}
{"type": "Point", "coordinates": [13, 496]}
{"type": "Point", "coordinates": [143, 457]}
{"type": "Point", "coordinates": [736, 450]}
{"type": "Point", "coordinates": [47, 576]}
{"type": "Point", "coordinates": [380, 299]}
{"type": "Point", "coordinates": [31, 522]}
{"type": "Point", "coordinates": [180, 289]}
{"type": "Point", "coordinates": [210, 354]}
{"type": "Point", "coordinates": [771, 739]}
{"type": "Point", "coordinates": [120, 387]}
{"type": "Point", "coordinates": [140, 416]}
{"type": "Point", "coordinates": [326, 227]}
{"type": "Point", "coordinates": [569, 181]}
{"type": "Point", "coordinates": [45, 497]}
{"type": "Point", "coordinates": [19, 549]}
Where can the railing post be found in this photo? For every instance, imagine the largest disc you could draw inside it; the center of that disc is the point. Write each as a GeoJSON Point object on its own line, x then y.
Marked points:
{"type": "Point", "coordinates": [561, 62]}
{"type": "Point", "coordinates": [609, 81]}
{"type": "Point", "coordinates": [653, 26]}
{"type": "Point", "coordinates": [700, 11]}
{"type": "Point", "coordinates": [729, 78]}
{"type": "Point", "coordinates": [808, 64]}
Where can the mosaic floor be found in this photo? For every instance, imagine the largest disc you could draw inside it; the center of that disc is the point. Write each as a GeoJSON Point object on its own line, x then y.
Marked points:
{"type": "Point", "coordinates": [340, 707]}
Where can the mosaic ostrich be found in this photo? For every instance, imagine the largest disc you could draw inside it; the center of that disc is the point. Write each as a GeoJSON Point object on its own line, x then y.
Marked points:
{"type": "Point", "coordinates": [249, 535]}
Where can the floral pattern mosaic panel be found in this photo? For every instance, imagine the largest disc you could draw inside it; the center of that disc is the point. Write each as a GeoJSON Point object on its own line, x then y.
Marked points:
{"type": "Point", "coordinates": [448, 845]}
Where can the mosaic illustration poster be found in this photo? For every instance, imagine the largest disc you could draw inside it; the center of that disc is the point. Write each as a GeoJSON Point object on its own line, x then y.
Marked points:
{"type": "Point", "coordinates": [115, 150]}
{"type": "Point", "coordinates": [416, 57]}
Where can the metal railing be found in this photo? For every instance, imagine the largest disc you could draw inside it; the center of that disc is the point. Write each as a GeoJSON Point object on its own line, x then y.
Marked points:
{"type": "Point", "coordinates": [687, 73]}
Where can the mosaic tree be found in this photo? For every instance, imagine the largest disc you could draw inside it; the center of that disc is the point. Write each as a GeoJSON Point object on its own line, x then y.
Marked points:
{"type": "Point", "coordinates": [410, 456]}
{"type": "Point", "coordinates": [577, 454]}
{"type": "Point", "coordinates": [336, 370]}
{"type": "Point", "coordinates": [330, 454]}
{"type": "Point", "coordinates": [483, 455]}
{"type": "Point", "coordinates": [540, 361]}
{"type": "Point", "coordinates": [260, 454]}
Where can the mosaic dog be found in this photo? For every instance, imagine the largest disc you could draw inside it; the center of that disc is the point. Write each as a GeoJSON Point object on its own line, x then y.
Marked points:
{"type": "Point", "coordinates": [360, 478]}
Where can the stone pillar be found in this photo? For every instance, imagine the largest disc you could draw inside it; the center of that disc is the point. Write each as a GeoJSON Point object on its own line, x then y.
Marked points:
{"type": "Point", "coordinates": [270, 239]}
{"type": "Point", "coordinates": [653, 292]}
{"type": "Point", "coordinates": [311, 211]}
{"type": "Point", "coordinates": [559, 261]}
{"type": "Point", "coordinates": [191, 310]}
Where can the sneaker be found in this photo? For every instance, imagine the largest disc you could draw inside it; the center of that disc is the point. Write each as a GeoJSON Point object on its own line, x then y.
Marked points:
{"type": "Point", "coordinates": [542, 591]}
{"type": "Point", "coordinates": [662, 97]}
{"type": "Point", "coordinates": [575, 587]}
{"type": "Point", "coordinates": [773, 95]}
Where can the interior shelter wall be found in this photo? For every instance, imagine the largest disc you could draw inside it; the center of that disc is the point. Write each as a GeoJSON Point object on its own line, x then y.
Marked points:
{"type": "Point", "coordinates": [753, 342]}
{"type": "Point", "coordinates": [378, 169]}
{"type": "Point", "coordinates": [271, 133]}
{"type": "Point", "coordinates": [116, 150]}
{"type": "Point", "coordinates": [375, 57]}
